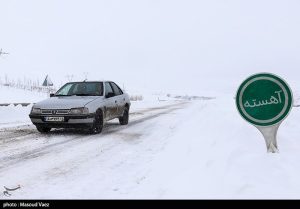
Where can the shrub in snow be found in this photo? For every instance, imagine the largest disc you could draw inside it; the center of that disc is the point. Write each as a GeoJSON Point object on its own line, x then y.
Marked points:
{"type": "Point", "coordinates": [136, 98]}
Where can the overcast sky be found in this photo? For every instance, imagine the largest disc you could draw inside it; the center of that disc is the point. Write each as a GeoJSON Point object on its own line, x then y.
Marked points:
{"type": "Point", "coordinates": [167, 44]}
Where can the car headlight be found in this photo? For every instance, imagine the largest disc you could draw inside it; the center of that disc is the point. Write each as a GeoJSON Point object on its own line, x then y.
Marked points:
{"type": "Point", "coordinates": [36, 111]}
{"type": "Point", "coordinates": [79, 111]}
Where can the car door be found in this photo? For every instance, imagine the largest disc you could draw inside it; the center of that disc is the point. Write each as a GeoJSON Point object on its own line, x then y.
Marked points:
{"type": "Point", "coordinates": [110, 102]}
{"type": "Point", "coordinates": [119, 98]}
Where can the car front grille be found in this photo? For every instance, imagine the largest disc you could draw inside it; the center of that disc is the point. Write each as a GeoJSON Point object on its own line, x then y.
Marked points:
{"type": "Point", "coordinates": [55, 112]}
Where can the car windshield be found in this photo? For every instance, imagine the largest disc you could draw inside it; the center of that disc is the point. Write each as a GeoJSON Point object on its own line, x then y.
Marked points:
{"type": "Point", "coordinates": [81, 89]}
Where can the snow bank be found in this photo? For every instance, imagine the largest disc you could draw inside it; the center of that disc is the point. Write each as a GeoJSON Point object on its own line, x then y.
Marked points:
{"type": "Point", "coordinates": [17, 115]}
{"type": "Point", "coordinates": [12, 95]}
{"type": "Point", "coordinates": [14, 115]}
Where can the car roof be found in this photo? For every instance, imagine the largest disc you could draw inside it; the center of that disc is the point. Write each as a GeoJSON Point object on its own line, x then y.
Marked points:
{"type": "Point", "coordinates": [89, 81]}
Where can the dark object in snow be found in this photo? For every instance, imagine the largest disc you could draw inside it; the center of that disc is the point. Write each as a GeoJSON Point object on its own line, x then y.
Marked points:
{"type": "Point", "coordinates": [15, 104]}
{"type": "Point", "coordinates": [47, 81]}
{"type": "Point", "coordinates": [194, 97]}
{"type": "Point", "coordinates": [3, 53]}
{"type": "Point", "coordinates": [23, 104]}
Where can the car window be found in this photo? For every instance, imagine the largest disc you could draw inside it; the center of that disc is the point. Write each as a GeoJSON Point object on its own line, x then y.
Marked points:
{"type": "Point", "coordinates": [108, 89]}
{"type": "Point", "coordinates": [116, 88]}
{"type": "Point", "coordinates": [94, 88]}
{"type": "Point", "coordinates": [87, 89]}
{"type": "Point", "coordinates": [65, 89]}
{"type": "Point", "coordinates": [120, 90]}
{"type": "Point", "coordinates": [79, 88]}
{"type": "Point", "coordinates": [82, 89]}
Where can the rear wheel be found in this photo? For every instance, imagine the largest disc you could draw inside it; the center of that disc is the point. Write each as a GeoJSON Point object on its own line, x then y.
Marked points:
{"type": "Point", "coordinates": [98, 123]}
{"type": "Point", "coordinates": [43, 129]}
{"type": "Point", "coordinates": [125, 118]}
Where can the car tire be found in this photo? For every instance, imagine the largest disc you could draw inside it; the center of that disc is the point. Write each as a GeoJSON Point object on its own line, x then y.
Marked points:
{"type": "Point", "coordinates": [43, 129]}
{"type": "Point", "coordinates": [125, 118]}
{"type": "Point", "coordinates": [98, 123]}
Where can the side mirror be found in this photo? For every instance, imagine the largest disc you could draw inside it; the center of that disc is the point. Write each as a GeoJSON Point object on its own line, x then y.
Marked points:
{"type": "Point", "coordinates": [51, 95]}
{"type": "Point", "coordinates": [110, 94]}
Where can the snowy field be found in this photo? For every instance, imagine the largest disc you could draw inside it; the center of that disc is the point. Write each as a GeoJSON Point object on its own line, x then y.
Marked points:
{"type": "Point", "coordinates": [170, 149]}
{"type": "Point", "coordinates": [14, 95]}
{"type": "Point", "coordinates": [17, 115]}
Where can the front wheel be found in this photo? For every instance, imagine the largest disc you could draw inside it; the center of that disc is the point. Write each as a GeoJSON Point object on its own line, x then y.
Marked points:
{"type": "Point", "coordinates": [43, 129]}
{"type": "Point", "coordinates": [98, 123]}
{"type": "Point", "coordinates": [125, 117]}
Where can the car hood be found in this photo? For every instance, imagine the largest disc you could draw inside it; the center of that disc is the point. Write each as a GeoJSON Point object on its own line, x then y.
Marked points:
{"type": "Point", "coordinates": [66, 102]}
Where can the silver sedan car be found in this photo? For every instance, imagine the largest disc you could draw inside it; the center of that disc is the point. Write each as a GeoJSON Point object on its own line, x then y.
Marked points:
{"type": "Point", "coordinates": [84, 105]}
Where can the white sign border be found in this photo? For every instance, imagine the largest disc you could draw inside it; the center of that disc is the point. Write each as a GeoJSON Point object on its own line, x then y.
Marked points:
{"type": "Point", "coordinates": [269, 120]}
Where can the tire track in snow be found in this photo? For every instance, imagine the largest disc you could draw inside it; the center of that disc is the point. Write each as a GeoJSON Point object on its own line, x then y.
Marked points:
{"type": "Point", "coordinates": [10, 134]}
{"type": "Point", "coordinates": [109, 129]}
{"type": "Point", "coordinates": [114, 128]}
{"type": "Point", "coordinates": [20, 132]}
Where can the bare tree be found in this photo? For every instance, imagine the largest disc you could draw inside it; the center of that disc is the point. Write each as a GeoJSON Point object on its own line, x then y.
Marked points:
{"type": "Point", "coordinates": [6, 79]}
{"type": "Point", "coordinates": [85, 75]}
{"type": "Point", "coordinates": [70, 77]}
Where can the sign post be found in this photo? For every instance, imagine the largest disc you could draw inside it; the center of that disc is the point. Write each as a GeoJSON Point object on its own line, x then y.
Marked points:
{"type": "Point", "coordinates": [265, 100]}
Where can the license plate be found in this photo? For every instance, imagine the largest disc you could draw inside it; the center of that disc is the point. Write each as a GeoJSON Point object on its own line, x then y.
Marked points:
{"type": "Point", "coordinates": [54, 119]}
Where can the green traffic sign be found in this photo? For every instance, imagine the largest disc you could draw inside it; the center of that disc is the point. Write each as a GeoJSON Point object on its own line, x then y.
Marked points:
{"type": "Point", "coordinates": [264, 99]}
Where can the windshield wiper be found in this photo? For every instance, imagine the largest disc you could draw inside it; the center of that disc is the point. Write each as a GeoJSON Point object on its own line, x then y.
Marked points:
{"type": "Point", "coordinates": [84, 95]}
{"type": "Point", "coordinates": [60, 95]}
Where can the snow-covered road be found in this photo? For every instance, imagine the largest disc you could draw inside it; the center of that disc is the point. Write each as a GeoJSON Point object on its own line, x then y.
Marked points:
{"type": "Point", "coordinates": [69, 164]}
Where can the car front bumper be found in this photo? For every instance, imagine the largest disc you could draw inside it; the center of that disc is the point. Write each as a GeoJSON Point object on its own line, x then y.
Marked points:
{"type": "Point", "coordinates": [70, 121]}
